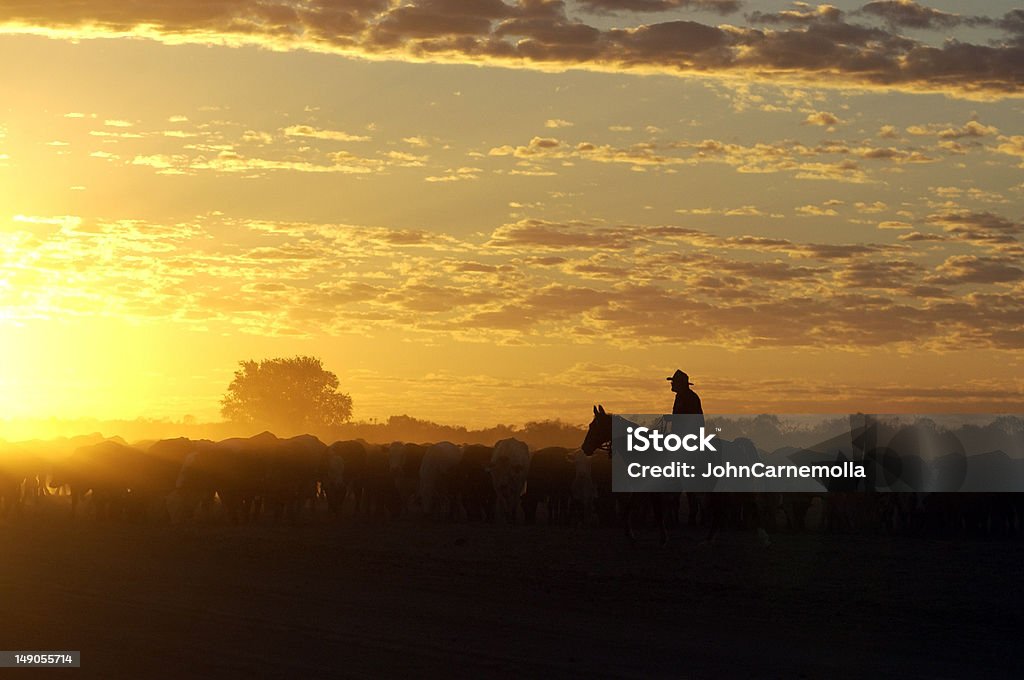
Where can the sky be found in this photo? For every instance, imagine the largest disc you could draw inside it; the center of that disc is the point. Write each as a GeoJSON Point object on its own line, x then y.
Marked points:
{"type": "Point", "coordinates": [482, 212]}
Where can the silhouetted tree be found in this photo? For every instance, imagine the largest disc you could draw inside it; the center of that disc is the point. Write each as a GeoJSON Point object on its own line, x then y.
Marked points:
{"type": "Point", "coordinates": [296, 395]}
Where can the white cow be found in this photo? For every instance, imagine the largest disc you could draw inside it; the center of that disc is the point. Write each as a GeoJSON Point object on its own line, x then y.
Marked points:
{"type": "Point", "coordinates": [510, 464]}
{"type": "Point", "coordinates": [396, 457]}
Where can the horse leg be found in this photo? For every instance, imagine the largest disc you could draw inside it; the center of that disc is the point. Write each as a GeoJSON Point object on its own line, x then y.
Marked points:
{"type": "Point", "coordinates": [715, 506]}
{"type": "Point", "coordinates": [629, 504]}
{"type": "Point", "coordinates": [761, 504]}
{"type": "Point", "coordinates": [692, 507]}
{"type": "Point", "coordinates": [661, 518]}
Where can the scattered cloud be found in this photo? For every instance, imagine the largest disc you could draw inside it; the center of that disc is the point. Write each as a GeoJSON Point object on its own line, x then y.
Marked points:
{"type": "Point", "coordinates": [527, 280]}
{"type": "Point", "coordinates": [971, 128]}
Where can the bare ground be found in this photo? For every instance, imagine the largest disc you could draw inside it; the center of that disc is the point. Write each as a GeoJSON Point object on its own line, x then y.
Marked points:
{"type": "Point", "coordinates": [373, 599]}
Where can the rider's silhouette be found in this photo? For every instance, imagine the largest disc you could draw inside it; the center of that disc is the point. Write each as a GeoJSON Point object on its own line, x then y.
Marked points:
{"type": "Point", "coordinates": [687, 402]}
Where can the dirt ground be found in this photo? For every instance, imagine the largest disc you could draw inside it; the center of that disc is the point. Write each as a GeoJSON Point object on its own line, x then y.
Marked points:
{"type": "Point", "coordinates": [372, 599]}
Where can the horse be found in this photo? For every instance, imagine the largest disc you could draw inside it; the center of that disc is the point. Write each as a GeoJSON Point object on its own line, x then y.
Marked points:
{"type": "Point", "coordinates": [749, 495]}
{"type": "Point", "coordinates": [599, 436]}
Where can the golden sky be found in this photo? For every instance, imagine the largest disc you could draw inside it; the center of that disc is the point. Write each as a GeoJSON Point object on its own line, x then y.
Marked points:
{"type": "Point", "coordinates": [484, 212]}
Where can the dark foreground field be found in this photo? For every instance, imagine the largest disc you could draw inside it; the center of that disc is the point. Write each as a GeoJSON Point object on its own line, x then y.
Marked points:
{"type": "Point", "coordinates": [404, 598]}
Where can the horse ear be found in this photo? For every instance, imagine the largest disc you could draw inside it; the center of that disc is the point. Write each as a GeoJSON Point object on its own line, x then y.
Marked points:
{"type": "Point", "coordinates": [595, 410]}
{"type": "Point", "coordinates": [601, 408]}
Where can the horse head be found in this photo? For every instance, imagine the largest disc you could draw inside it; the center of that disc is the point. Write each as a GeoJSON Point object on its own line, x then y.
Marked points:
{"type": "Point", "coordinates": [599, 433]}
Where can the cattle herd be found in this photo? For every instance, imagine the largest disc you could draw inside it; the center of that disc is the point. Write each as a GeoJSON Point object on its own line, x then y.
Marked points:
{"type": "Point", "coordinates": [301, 480]}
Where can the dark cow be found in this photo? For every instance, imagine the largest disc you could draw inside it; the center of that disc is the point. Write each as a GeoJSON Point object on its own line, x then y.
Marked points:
{"type": "Point", "coordinates": [17, 468]}
{"type": "Point", "coordinates": [344, 474]}
{"type": "Point", "coordinates": [550, 481]}
{"type": "Point", "coordinates": [436, 492]}
{"type": "Point", "coordinates": [123, 481]}
{"type": "Point", "coordinates": [404, 462]}
{"type": "Point", "coordinates": [234, 470]}
{"type": "Point", "coordinates": [293, 469]}
{"type": "Point", "coordinates": [472, 482]}
{"type": "Point", "coordinates": [174, 453]}
{"type": "Point", "coordinates": [380, 497]}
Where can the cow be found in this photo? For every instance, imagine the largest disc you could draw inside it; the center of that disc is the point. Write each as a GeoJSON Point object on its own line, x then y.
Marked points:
{"type": "Point", "coordinates": [344, 474]}
{"type": "Point", "coordinates": [510, 465]}
{"type": "Point", "coordinates": [233, 470]}
{"type": "Point", "coordinates": [550, 480]}
{"type": "Point", "coordinates": [122, 480]}
{"type": "Point", "coordinates": [472, 482]}
{"type": "Point", "coordinates": [293, 470]}
{"type": "Point", "coordinates": [15, 470]}
{"type": "Point", "coordinates": [404, 462]}
{"type": "Point", "coordinates": [380, 497]}
{"type": "Point", "coordinates": [436, 490]}
{"type": "Point", "coordinates": [166, 459]}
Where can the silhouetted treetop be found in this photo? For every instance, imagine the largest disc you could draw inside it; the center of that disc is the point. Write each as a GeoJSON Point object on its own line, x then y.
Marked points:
{"type": "Point", "coordinates": [286, 395]}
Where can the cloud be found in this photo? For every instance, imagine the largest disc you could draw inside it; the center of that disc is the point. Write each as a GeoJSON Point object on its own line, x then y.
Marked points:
{"type": "Point", "coordinates": [528, 281]}
{"type": "Point", "coordinates": [971, 128]}
{"type": "Point", "coordinates": [538, 234]}
{"type": "Point", "coordinates": [741, 211]}
{"type": "Point", "coordinates": [918, 237]}
{"type": "Point", "coordinates": [828, 160]}
{"type": "Point", "coordinates": [981, 228]}
{"type": "Point", "coordinates": [879, 274]}
{"type": "Point", "coordinates": [1012, 145]}
{"type": "Point", "coordinates": [909, 14]}
{"type": "Point", "coordinates": [456, 175]}
{"type": "Point", "coordinates": [893, 154]}
{"type": "Point", "coordinates": [251, 153]}
{"type": "Point", "coordinates": [802, 13]}
{"type": "Point", "coordinates": [870, 208]}
{"type": "Point", "coordinates": [542, 234]}
{"type": "Point", "coordinates": [822, 118]}
{"type": "Point", "coordinates": [888, 132]}
{"type": "Point", "coordinates": [539, 148]}
{"type": "Point", "coordinates": [332, 135]}
{"type": "Point", "coordinates": [815, 211]}
{"type": "Point", "coordinates": [232, 162]}
{"type": "Point", "coordinates": [821, 46]}
{"type": "Point", "coordinates": [977, 269]}
{"type": "Point", "coordinates": [718, 6]}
